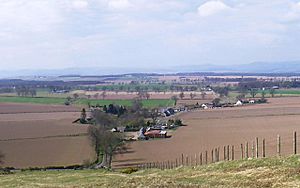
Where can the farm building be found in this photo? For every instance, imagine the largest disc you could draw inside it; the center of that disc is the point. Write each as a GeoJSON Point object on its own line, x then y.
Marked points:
{"type": "Point", "coordinates": [155, 134]}
{"type": "Point", "coordinates": [238, 103]}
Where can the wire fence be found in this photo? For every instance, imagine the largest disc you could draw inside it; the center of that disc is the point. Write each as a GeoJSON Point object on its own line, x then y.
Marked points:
{"type": "Point", "coordinates": [257, 148]}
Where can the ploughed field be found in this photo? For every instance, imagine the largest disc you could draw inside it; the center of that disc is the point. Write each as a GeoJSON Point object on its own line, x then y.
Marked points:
{"type": "Point", "coordinates": [209, 129]}
{"type": "Point", "coordinates": [34, 135]}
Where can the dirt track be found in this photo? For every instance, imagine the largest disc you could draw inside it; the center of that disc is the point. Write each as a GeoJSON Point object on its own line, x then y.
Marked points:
{"type": "Point", "coordinates": [206, 130]}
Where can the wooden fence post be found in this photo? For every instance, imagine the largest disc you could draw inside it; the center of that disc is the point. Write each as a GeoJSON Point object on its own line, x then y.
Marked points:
{"type": "Point", "coordinates": [182, 159]}
{"type": "Point", "coordinates": [264, 148]}
{"type": "Point", "coordinates": [247, 150]}
{"type": "Point", "coordinates": [228, 150]}
{"type": "Point", "coordinates": [224, 153]}
{"type": "Point", "coordinates": [196, 160]}
{"type": "Point", "coordinates": [232, 153]}
{"type": "Point", "coordinates": [200, 158]}
{"type": "Point", "coordinates": [176, 163]}
{"type": "Point", "coordinates": [212, 155]}
{"type": "Point", "coordinates": [252, 149]}
{"type": "Point", "coordinates": [295, 143]}
{"type": "Point", "coordinates": [206, 156]}
{"type": "Point", "coordinates": [278, 146]}
{"type": "Point", "coordinates": [187, 160]}
{"type": "Point", "coordinates": [218, 153]}
{"type": "Point", "coordinates": [256, 147]}
{"type": "Point", "coordinates": [242, 151]}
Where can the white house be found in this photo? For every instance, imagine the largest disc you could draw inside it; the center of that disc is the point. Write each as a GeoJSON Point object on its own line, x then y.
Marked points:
{"type": "Point", "coordinates": [238, 103]}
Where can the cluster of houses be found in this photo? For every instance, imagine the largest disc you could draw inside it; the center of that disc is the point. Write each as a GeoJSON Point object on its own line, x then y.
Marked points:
{"type": "Point", "coordinates": [157, 131]}
{"type": "Point", "coordinates": [238, 103]}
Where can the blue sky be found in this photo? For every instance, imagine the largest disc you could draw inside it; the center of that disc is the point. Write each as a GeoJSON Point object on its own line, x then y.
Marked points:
{"type": "Point", "coordinates": [51, 34]}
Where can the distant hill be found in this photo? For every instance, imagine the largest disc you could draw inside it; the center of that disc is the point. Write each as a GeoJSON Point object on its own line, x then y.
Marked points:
{"type": "Point", "coordinates": [256, 67]}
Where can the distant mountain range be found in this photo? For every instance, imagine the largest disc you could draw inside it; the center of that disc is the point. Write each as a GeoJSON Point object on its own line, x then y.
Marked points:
{"type": "Point", "coordinates": [256, 67]}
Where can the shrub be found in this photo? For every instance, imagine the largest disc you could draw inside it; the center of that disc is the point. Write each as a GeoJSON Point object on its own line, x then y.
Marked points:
{"type": "Point", "coordinates": [129, 170]}
{"type": "Point", "coordinates": [178, 122]}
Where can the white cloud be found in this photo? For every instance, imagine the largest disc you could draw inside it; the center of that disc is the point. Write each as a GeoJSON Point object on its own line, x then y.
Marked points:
{"type": "Point", "coordinates": [80, 4]}
{"type": "Point", "coordinates": [119, 4]}
{"type": "Point", "coordinates": [293, 13]}
{"type": "Point", "coordinates": [212, 7]}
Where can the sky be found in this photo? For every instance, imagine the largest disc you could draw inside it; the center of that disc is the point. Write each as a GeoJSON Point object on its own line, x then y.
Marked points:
{"type": "Point", "coordinates": [51, 34]}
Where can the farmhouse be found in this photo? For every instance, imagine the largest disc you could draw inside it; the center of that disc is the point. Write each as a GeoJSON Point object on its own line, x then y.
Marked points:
{"type": "Point", "coordinates": [238, 103]}
{"type": "Point", "coordinates": [156, 134]}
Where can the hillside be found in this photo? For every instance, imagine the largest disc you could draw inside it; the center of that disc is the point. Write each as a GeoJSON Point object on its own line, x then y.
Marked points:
{"type": "Point", "coordinates": [270, 172]}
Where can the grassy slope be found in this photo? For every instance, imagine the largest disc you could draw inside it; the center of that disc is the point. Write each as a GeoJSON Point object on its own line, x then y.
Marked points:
{"type": "Point", "coordinates": [271, 172]}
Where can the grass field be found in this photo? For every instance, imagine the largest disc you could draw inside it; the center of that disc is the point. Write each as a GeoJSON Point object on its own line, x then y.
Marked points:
{"type": "Point", "coordinates": [55, 100]}
{"type": "Point", "coordinates": [278, 93]}
{"type": "Point", "coordinates": [268, 172]}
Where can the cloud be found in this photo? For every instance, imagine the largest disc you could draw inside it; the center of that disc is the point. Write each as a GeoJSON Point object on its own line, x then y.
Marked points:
{"type": "Point", "coordinates": [80, 4]}
{"type": "Point", "coordinates": [118, 4]}
{"type": "Point", "coordinates": [212, 7]}
{"type": "Point", "coordinates": [293, 14]}
{"type": "Point", "coordinates": [55, 33]}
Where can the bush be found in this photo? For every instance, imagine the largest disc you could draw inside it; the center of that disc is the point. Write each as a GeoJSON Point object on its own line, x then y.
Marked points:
{"type": "Point", "coordinates": [129, 170]}
{"type": "Point", "coordinates": [178, 122]}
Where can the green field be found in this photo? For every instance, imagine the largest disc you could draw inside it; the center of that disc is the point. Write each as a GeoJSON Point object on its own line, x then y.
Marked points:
{"type": "Point", "coordinates": [268, 172]}
{"type": "Point", "coordinates": [151, 103]}
{"type": "Point", "coordinates": [278, 93]}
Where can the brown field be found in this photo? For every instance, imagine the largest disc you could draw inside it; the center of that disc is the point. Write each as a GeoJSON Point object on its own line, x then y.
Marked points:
{"type": "Point", "coordinates": [213, 128]}
{"type": "Point", "coordinates": [10, 108]}
{"type": "Point", "coordinates": [42, 139]}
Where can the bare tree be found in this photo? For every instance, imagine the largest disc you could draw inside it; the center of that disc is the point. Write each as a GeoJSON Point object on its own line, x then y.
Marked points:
{"type": "Point", "coordinates": [103, 95]}
{"type": "Point", "coordinates": [203, 94]}
{"type": "Point", "coordinates": [75, 95]}
{"type": "Point", "coordinates": [192, 96]}
{"type": "Point", "coordinates": [272, 92]}
{"type": "Point", "coordinates": [253, 92]}
{"type": "Point", "coordinates": [181, 95]}
{"type": "Point", "coordinates": [96, 95]}
{"type": "Point", "coordinates": [105, 141]}
{"type": "Point", "coordinates": [263, 94]}
{"type": "Point", "coordinates": [147, 95]}
{"type": "Point", "coordinates": [175, 99]}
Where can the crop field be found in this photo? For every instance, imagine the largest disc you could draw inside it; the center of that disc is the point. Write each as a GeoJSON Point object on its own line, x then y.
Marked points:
{"type": "Point", "coordinates": [208, 129]}
{"type": "Point", "coordinates": [48, 138]}
{"type": "Point", "coordinates": [42, 135]}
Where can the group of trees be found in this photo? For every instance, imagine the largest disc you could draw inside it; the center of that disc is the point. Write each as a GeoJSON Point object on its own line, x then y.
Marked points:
{"type": "Point", "coordinates": [25, 91]}
{"type": "Point", "coordinates": [223, 91]}
{"type": "Point", "coordinates": [114, 109]}
{"type": "Point", "coordinates": [143, 95]}
{"type": "Point", "coordinates": [107, 143]}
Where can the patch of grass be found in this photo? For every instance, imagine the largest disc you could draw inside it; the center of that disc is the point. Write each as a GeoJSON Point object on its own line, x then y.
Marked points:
{"type": "Point", "coordinates": [268, 172]}
{"type": "Point", "coordinates": [34, 100]}
{"type": "Point", "coordinates": [151, 103]}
